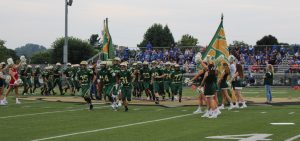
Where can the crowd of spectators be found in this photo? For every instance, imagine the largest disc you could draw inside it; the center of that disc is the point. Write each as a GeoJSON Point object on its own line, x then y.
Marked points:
{"type": "Point", "coordinates": [253, 58]}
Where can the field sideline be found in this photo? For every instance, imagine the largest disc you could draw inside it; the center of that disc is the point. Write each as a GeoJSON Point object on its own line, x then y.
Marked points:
{"type": "Point", "coordinates": [44, 120]}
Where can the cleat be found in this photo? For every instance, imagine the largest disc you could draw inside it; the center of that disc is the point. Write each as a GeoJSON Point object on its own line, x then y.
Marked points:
{"type": "Point", "coordinates": [18, 102]}
{"type": "Point", "coordinates": [91, 106]}
{"type": "Point", "coordinates": [205, 115]}
{"type": "Point", "coordinates": [221, 107]}
{"type": "Point", "coordinates": [198, 111]}
{"type": "Point", "coordinates": [126, 109]}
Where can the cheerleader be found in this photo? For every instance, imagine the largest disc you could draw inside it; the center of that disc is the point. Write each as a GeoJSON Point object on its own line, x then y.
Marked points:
{"type": "Point", "coordinates": [209, 83]}
{"type": "Point", "coordinates": [2, 81]}
{"type": "Point", "coordinates": [238, 77]}
{"type": "Point", "coordinates": [224, 87]}
{"type": "Point", "coordinates": [197, 79]}
{"type": "Point", "coordinates": [14, 81]}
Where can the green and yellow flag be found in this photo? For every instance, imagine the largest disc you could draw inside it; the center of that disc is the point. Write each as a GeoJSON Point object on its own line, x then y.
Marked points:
{"type": "Point", "coordinates": [108, 50]}
{"type": "Point", "coordinates": [218, 48]}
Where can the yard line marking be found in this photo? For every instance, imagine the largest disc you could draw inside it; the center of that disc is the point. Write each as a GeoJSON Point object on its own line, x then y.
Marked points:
{"type": "Point", "coordinates": [282, 123]}
{"type": "Point", "coordinates": [263, 92]}
{"type": "Point", "coordinates": [293, 138]}
{"type": "Point", "coordinates": [291, 113]}
{"type": "Point", "coordinates": [159, 110]}
{"type": "Point", "coordinates": [114, 127]}
{"type": "Point", "coordinates": [263, 112]}
{"type": "Point", "coordinates": [43, 113]}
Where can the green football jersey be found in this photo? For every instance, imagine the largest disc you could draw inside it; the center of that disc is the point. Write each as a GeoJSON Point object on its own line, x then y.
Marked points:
{"type": "Point", "coordinates": [157, 72]}
{"type": "Point", "coordinates": [167, 72]}
{"type": "Point", "coordinates": [177, 75]}
{"type": "Point", "coordinates": [57, 72]}
{"type": "Point", "coordinates": [28, 72]}
{"type": "Point", "coordinates": [69, 72]}
{"type": "Point", "coordinates": [46, 74]}
{"type": "Point", "coordinates": [115, 70]}
{"type": "Point", "coordinates": [85, 75]}
{"type": "Point", "coordinates": [105, 76]}
{"type": "Point", "coordinates": [146, 75]}
{"type": "Point", "coordinates": [125, 77]}
{"type": "Point", "coordinates": [37, 72]}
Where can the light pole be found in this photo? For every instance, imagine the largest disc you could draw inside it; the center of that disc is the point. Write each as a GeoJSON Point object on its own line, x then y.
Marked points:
{"type": "Point", "coordinates": [65, 52]}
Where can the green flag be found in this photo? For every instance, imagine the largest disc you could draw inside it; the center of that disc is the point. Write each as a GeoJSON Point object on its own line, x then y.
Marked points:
{"type": "Point", "coordinates": [218, 48]}
{"type": "Point", "coordinates": [108, 50]}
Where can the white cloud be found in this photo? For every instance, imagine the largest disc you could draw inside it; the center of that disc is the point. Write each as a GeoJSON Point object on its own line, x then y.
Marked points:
{"type": "Point", "coordinates": [41, 21]}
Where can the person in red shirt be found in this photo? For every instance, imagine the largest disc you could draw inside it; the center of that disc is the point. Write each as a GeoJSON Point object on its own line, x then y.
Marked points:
{"type": "Point", "coordinates": [13, 83]}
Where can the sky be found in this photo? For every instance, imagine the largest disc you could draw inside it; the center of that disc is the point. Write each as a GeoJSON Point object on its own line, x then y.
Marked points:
{"type": "Point", "coordinates": [42, 21]}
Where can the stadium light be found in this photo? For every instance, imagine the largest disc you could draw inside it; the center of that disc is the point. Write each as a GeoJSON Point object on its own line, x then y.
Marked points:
{"type": "Point", "coordinates": [65, 52]}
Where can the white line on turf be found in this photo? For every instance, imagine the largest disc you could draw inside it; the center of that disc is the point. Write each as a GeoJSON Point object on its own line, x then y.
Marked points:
{"type": "Point", "coordinates": [262, 92]}
{"type": "Point", "coordinates": [293, 138]}
{"type": "Point", "coordinates": [43, 113]}
{"type": "Point", "coordinates": [291, 113]}
{"type": "Point", "coordinates": [282, 123]}
{"type": "Point", "coordinates": [263, 112]}
{"type": "Point", "coordinates": [114, 127]}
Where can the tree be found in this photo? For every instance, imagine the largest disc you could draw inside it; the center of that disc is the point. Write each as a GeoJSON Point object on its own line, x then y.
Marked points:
{"type": "Point", "coordinates": [236, 43]}
{"type": "Point", "coordinates": [78, 50]}
{"type": "Point", "coordinates": [94, 40]}
{"type": "Point", "coordinates": [6, 53]}
{"type": "Point", "coordinates": [41, 58]}
{"type": "Point", "coordinates": [267, 40]}
{"type": "Point", "coordinates": [29, 49]}
{"type": "Point", "coordinates": [187, 40]}
{"type": "Point", "coordinates": [158, 36]}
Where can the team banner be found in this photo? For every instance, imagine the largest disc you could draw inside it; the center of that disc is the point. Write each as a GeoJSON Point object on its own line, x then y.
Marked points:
{"type": "Point", "coordinates": [108, 50]}
{"type": "Point", "coordinates": [217, 48]}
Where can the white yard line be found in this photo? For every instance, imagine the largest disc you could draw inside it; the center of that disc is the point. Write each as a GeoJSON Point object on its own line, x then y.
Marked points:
{"type": "Point", "coordinates": [110, 128]}
{"type": "Point", "coordinates": [293, 138]}
{"type": "Point", "coordinates": [264, 92]}
{"type": "Point", "coordinates": [282, 123]}
{"type": "Point", "coordinates": [43, 113]}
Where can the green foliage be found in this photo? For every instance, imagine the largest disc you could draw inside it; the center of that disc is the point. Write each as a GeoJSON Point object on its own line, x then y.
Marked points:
{"type": "Point", "coordinates": [29, 49]}
{"type": "Point", "coordinates": [94, 40]}
{"type": "Point", "coordinates": [78, 50]}
{"type": "Point", "coordinates": [236, 43]}
{"type": "Point", "coordinates": [6, 53]}
{"type": "Point", "coordinates": [267, 40]}
{"type": "Point", "coordinates": [187, 40]}
{"type": "Point", "coordinates": [41, 58]}
{"type": "Point", "coordinates": [158, 36]}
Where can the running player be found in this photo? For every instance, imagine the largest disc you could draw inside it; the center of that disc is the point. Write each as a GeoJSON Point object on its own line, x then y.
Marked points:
{"type": "Point", "coordinates": [36, 76]}
{"type": "Point", "coordinates": [57, 73]}
{"type": "Point", "coordinates": [85, 77]}
{"type": "Point", "coordinates": [157, 76]}
{"type": "Point", "coordinates": [125, 82]}
{"type": "Point", "coordinates": [69, 73]}
{"type": "Point", "coordinates": [146, 79]}
{"type": "Point", "coordinates": [167, 79]}
{"type": "Point", "coordinates": [176, 81]}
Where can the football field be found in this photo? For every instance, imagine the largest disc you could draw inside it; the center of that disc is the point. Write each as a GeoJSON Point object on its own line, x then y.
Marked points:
{"type": "Point", "coordinates": [44, 120]}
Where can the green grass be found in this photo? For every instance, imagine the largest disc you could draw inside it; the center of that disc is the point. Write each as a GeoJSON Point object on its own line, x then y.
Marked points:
{"type": "Point", "coordinates": [39, 119]}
